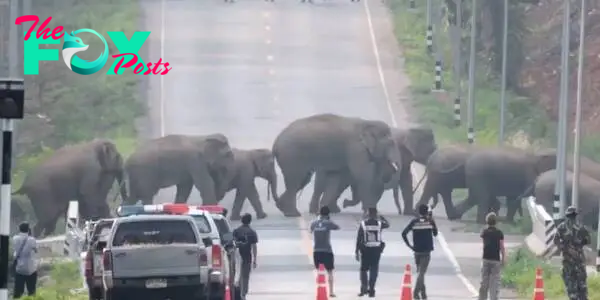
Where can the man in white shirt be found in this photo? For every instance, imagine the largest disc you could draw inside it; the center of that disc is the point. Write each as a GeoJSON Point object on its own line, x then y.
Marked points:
{"type": "Point", "coordinates": [24, 261]}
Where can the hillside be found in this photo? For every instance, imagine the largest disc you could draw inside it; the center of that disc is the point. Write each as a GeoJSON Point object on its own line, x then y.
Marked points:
{"type": "Point", "coordinates": [540, 75]}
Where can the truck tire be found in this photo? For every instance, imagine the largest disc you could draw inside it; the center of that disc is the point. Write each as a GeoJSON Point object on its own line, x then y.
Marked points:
{"type": "Point", "coordinates": [95, 294]}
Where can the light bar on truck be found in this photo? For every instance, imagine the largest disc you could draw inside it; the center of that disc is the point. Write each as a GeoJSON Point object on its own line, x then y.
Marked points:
{"type": "Point", "coordinates": [213, 209]}
{"type": "Point", "coordinates": [171, 208]}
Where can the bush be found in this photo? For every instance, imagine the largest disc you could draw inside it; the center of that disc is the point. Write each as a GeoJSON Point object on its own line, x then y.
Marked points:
{"type": "Point", "coordinates": [64, 279]}
{"type": "Point", "coordinates": [519, 274]}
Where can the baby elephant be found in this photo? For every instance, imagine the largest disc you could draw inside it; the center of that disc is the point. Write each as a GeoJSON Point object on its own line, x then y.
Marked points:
{"type": "Point", "coordinates": [250, 164]}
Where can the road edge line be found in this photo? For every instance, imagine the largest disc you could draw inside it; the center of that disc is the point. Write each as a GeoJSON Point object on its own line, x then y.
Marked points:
{"type": "Point", "coordinates": [440, 237]}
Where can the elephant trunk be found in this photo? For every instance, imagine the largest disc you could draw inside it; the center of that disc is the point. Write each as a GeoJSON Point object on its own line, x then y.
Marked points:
{"type": "Point", "coordinates": [122, 187]}
{"type": "Point", "coordinates": [272, 187]}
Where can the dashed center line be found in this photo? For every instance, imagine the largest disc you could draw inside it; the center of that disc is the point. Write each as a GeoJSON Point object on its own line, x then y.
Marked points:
{"type": "Point", "coordinates": [267, 28]}
{"type": "Point", "coordinates": [271, 72]}
{"type": "Point", "coordinates": [268, 42]}
{"type": "Point", "coordinates": [270, 57]}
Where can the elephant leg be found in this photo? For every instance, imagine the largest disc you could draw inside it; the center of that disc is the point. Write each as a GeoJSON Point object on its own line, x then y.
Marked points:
{"type": "Point", "coordinates": [254, 199]}
{"type": "Point", "coordinates": [334, 189]}
{"type": "Point", "coordinates": [320, 184]}
{"type": "Point", "coordinates": [446, 195]}
{"type": "Point", "coordinates": [238, 203]}
{"type": "Point", "coordinates": [295, 179]}
{"type": "Point", "coordinates": [512, 205]}
{"type": "Point", "coordinates": [363, 174]}
{"type": "Point", "coordinates": [464, 206]}
{"type": "Point", "coordinates": [184, 190]}
{"type": "Point", "coordinates": [430, 190]}
{"type": "Point", "coordinates": [406, 186]}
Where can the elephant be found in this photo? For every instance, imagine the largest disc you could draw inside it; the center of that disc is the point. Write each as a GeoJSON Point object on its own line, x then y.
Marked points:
{"type": "Point", "coordinates": [415, 142]}
{"type": "Point", "coordinates": [250, 164]}
{"type": "Point", "coordinates": [329, 142]}
{"type": "Point", "coordinates": [84, 172]}
{"type": "Point", "coordinates": [203, 161]}
{"type": "Point", "coordinates": [505, 172]}
{"type": "Point", "coordinates": [445, 171]}
{"type": "Point", "coordinates": [589, 193]}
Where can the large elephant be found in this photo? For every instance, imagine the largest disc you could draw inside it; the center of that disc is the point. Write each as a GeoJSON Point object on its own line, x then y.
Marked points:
{"type": "Point", "coordinates": [250, 164]}
{"type": "Point", "coordinates": [415, 143]}
{"type": "Point", "coordinates": [505, 172]}
{"type": "Point", "coordinates": [84, 172]}
{"type": "Point", "coordinates": [589, 193]}
{"type": "Point", "coordinates": [445, 172]}
{"type": "Point", "coordinates": [328, 142]}
{"type": "Point", "coordinates": [203, 161]}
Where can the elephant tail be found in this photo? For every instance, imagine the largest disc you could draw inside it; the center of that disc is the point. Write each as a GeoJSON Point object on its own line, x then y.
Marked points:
{"type": "Point", "coordinates": [420, 181]}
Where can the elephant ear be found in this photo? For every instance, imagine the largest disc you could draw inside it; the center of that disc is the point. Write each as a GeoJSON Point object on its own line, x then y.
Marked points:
{"type": "Point", "coordinates": [108, 156]}
{"type": "Point", "coordinates": [369, 139]}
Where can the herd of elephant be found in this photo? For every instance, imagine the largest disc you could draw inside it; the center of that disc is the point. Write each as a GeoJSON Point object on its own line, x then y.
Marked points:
{"type": "Point", "coordinates": [368, 156]}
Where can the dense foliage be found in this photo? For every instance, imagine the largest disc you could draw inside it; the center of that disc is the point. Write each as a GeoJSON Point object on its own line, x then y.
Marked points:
{"type": "Point", "coordinates": [63, 107]}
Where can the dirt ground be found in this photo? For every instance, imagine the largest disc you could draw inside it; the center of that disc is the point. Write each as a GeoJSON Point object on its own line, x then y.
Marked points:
{"type": "Point", "coordinates": [540, 76]}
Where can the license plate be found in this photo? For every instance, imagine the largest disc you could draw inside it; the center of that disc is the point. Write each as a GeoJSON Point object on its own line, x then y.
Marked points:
{"type": "Point", "coordinates": [156, 283]}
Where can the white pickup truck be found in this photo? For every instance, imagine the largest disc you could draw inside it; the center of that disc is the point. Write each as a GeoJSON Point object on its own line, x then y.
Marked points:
{"type": "Point", "coordinates": [216, 234]}
{"type": "Point", "coordinates": [155, 257]}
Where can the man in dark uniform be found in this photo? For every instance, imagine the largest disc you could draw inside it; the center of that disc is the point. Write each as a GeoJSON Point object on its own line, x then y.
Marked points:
{"type": "Point", "coordinates": [570, 238]}
{"type": "Point", "coordinates": [246, 240]}
{"type": "Point", "coordinates": [369, 247]}
{"type": "Point", "coordinates": [423, 230]}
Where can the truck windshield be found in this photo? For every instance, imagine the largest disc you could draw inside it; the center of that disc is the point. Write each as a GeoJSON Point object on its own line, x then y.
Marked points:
{"type": "Point", "coordinates": [154, 232]}
{"type": "Point", "coordinates": [202, 223]}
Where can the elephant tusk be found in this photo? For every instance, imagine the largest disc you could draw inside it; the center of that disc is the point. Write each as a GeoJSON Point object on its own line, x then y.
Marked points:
{"type": "Point", "coordinates": [395, 166]}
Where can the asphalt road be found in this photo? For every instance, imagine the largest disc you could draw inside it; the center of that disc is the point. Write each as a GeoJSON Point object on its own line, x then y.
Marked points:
{"type": "Point", "coordinates": [246, 70]}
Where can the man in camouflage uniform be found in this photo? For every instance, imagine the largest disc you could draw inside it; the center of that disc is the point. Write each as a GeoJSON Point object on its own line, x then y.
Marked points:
{"type": "Point", "coordinates": [570, 238]}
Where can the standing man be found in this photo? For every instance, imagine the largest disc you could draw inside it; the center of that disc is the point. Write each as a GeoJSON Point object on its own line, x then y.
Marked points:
{"type": "Point", "coordinates": [24, 262]}
{"type": "Point", "coordinates": [369, 247]}
{"type": "Point", "coordinates": [246, 240]}
{"type": "Point", "coordinates": [322, 250]}
{"type": "Point", "coordinates": [493, 259]}
{"type": "Point", "coordinates": [423, 230]}
{"type": "Point", "coordinates": [570, 238]}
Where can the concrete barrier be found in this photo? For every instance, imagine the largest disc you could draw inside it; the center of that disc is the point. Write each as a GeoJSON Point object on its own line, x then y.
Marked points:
{"type": "Point", "coordinates": [540, 241]}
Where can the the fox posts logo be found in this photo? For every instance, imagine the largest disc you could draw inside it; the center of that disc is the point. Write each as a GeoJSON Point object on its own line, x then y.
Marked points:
{"type": "Point", "coordinates": [73, 44]}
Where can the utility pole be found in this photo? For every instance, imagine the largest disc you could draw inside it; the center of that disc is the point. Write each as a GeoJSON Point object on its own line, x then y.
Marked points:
{"type": "Point", "coordinates": [457, 35]}
{"type": "Point", "coordinates": [13, 40]}
{"type": "Point", "coordinates": [503, 88]}
{"type": "Point", "coordinates": [472, 55]}
{"type": "Point", "coordinates": [577, 142]}
{"type": "Point", "coordinates": [429, 35]}
{"type": "Point", "coordinates": [12, 97]}
{"type": "Point", "coordinates": [437, 29]}
{"type": "Point", "coordinates": [559, 187]}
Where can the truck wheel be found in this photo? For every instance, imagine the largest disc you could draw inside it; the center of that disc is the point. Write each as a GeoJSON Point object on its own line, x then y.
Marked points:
{"type": "Point", "coordinates": [95, 294]}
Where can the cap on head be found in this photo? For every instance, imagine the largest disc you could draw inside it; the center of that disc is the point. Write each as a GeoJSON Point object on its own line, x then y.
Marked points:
{"type": "Point", "coordinates": [423, 209]}
{"type": "Point", "coordinates": [324, 211]}
{"type": "Point", "coordinates": [571, 211]}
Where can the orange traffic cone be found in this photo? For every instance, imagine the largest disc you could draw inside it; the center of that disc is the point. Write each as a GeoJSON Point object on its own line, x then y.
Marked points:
{"type": "Point", "coordinates": [321, 284]}
{"type": "Point", "coordinates": [227, 291]}
{"type": "Point", "coordinates": [538, 291]}
{"type": "Point", "coordinates": [406, 285]}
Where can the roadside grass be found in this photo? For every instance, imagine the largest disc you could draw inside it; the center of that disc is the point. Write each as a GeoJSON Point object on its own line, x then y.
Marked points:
{"type": "Point", "coordinates": [527, 126]}
{"type": "Point", "coordinates": [519, 274]}
{"type": "Point", "coordinates": [63, 279]}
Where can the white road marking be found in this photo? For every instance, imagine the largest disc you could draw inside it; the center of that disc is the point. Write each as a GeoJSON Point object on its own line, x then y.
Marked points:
{"type": "Point", "coordinates": [162, 78]}
{"type": "Point", "coordinates": [440, 237]}
{"type": "Point", "coordinates": [271, 72]}
{"type": "Point", "coordinates": [268, 42]}
{"type": "Point", "coordinates": [270, 57]}
{"type": "Point", "coordinates": [267, 28]}
{"type": "Point", "coordinates": [266, 14]}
